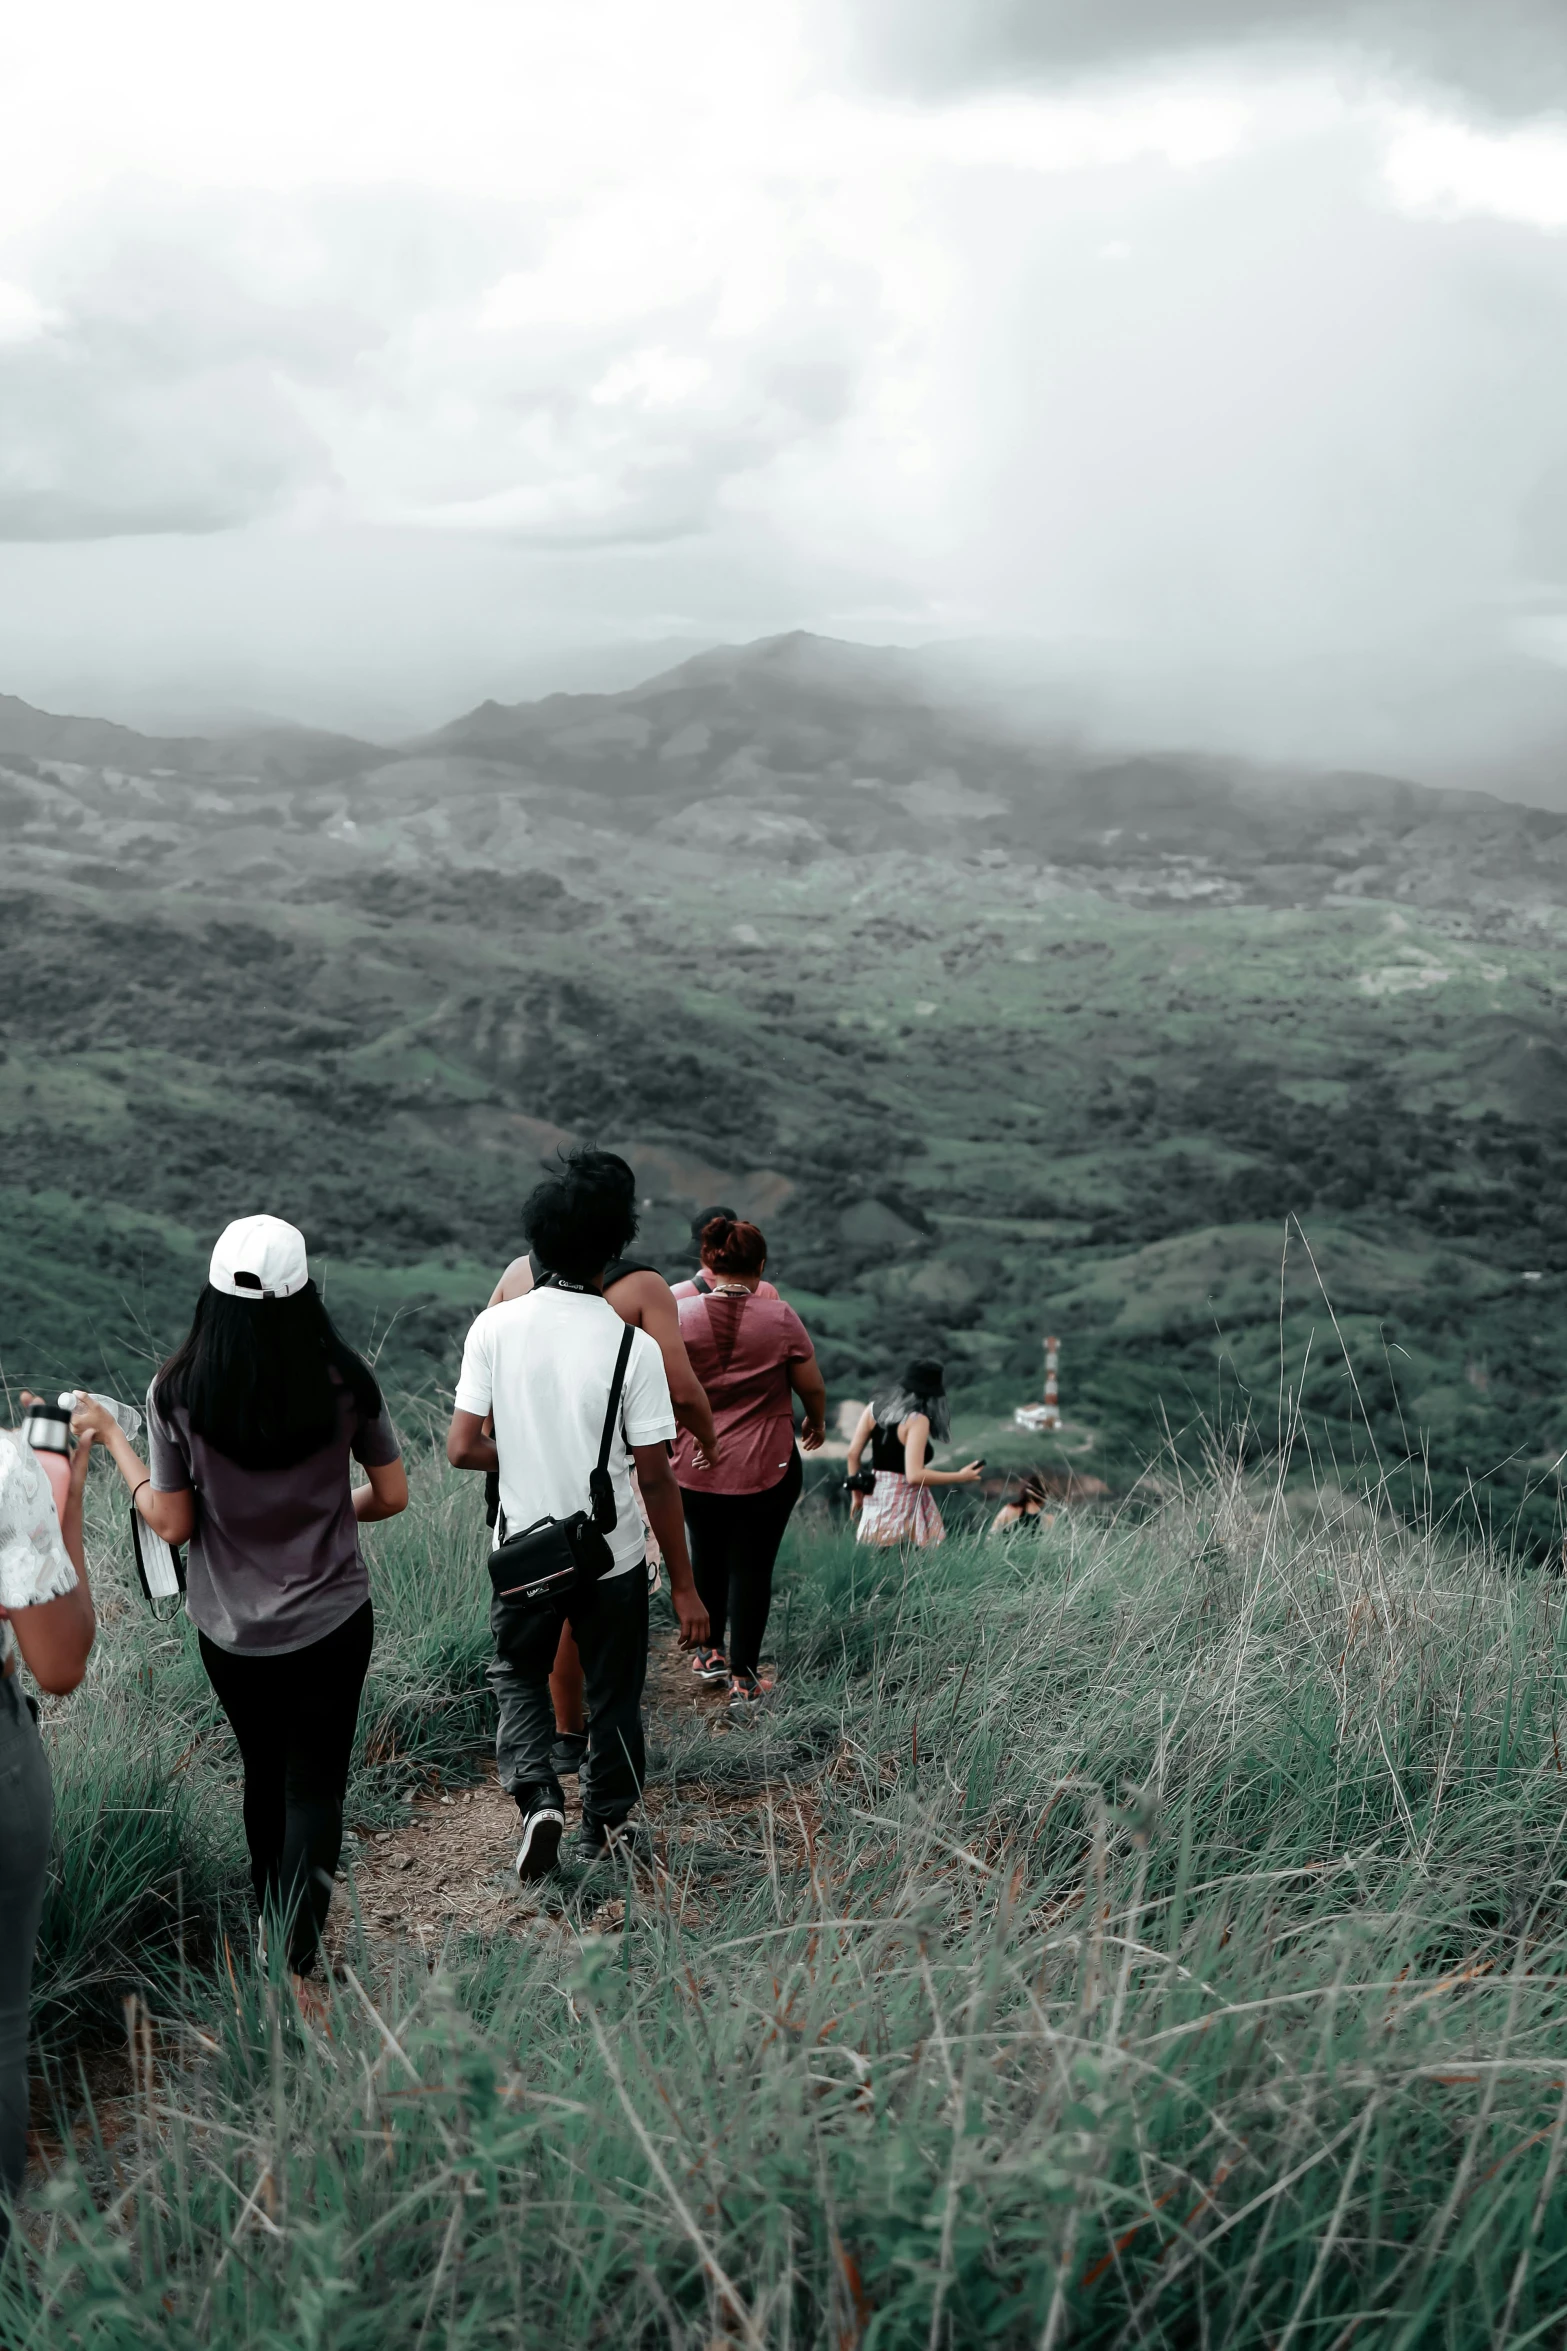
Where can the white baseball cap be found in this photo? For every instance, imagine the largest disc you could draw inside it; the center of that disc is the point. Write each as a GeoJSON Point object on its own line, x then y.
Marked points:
{"type": "Point", "coordinates": [259, 1257]}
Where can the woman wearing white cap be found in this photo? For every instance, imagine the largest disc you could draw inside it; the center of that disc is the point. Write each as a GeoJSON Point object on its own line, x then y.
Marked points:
{"type": "Point", "coordinates": [254, 1423]}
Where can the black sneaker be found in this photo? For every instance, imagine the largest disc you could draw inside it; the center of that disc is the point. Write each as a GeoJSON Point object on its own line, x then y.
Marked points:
{"type": "Point", "coordinates": [627, 1841]}
{"type": "Point", "coordinates": [568, 1754]}
{"type": "Point", "coordinates": [542, 1830]}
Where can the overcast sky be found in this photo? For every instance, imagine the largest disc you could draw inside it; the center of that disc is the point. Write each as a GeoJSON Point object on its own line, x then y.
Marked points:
{"type": "Point", "coordinates": [359, 359]}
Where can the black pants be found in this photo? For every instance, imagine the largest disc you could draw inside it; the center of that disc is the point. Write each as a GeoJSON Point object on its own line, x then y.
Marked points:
{"type": "Point", "coordinates": [26, 1819]}
{"type": "Point", "coordinates": [295, 1717]}
{"type": "Point", "coordinates": [610, 1625]}
{"type": "Point", "coordinates": [734, 1542]}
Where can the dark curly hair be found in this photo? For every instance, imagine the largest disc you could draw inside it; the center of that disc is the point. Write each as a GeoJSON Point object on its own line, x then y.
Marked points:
{"type": "Point", "coordinates": [583, 1214]}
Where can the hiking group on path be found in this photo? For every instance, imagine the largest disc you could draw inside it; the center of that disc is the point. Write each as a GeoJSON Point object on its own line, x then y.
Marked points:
{"type": "Point", "coordinates": [621, 1425]}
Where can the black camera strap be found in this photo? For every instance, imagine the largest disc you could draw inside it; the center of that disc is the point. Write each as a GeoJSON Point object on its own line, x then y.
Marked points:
{"type": "Point", "coordinates": [601, 1486]}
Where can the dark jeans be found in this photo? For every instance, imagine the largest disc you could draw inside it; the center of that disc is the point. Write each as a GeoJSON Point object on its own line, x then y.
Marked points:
{"type": "Point", "coordinates": [610, 1624]}
{"type": "Point", "coordinates": [26, 1820]}
{"type": "Point", "coordinates": [295, 1717]}
{"type": "Point", "coordinates": [734, 1542]}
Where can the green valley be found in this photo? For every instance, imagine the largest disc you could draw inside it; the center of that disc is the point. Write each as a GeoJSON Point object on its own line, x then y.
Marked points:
{"type": "Point", "coordinates": [1268, 1127]}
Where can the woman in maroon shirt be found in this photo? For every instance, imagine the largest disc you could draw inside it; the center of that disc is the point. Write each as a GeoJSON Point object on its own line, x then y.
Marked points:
{"type": "Point", "coordinates": [753, 1356]}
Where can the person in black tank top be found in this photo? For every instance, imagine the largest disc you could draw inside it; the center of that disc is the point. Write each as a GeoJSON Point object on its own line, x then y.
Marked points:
{"type": "Point", "coordinates": [898, 1426]}
{"type": "Point", "coordinates": [887, 1449]}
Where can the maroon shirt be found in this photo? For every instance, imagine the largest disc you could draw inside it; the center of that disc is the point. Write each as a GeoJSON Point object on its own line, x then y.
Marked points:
{"type": "Point", "coordinates": [740, 1349]}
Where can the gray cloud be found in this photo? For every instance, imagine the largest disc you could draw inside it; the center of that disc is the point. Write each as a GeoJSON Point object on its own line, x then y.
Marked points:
{"type": "Point", "coordinates": [1510, 55]}
{"type": "Point", "coordinates": [203, 364]}
{"type": "Point", "coordinates": [89, 455]}
{"type": "Point", "coordinates": [156, 395]}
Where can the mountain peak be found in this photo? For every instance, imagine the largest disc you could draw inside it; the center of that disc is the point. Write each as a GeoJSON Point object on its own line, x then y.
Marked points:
{"type": "Point", "coordinates": [797, 660]}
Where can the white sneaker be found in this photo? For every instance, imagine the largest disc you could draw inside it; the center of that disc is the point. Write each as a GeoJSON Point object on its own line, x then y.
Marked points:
{"type": "Point", "coordinates": [542, 1831]}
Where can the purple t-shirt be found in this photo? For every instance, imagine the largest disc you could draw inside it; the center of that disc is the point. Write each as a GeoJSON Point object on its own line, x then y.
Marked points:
{"type": "Point", "coordinates": [274, 1562]}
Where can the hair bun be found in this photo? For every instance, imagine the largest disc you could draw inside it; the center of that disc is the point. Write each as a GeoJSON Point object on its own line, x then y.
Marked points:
{"type": "Point", "coordinates": [730, 1245]}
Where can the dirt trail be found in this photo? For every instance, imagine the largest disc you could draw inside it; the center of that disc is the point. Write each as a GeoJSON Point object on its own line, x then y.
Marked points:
{"type": "Point", "coordinates": [450, 1871]}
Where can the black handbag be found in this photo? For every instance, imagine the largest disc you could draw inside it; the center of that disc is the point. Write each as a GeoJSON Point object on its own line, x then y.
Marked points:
{"type": "Point", "coordinates": [557, 1558]}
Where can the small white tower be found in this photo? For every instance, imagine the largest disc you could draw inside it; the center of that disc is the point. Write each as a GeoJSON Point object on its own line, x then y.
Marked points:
{"type": "Point", "coordinates": [1048, 1414]}
{"type": "Point", "coordinates": [1051, 1417]}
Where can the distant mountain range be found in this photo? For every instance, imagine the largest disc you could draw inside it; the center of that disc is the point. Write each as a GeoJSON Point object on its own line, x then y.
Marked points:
{"type": "Point", "coordinates": [795, 749]}
{"type": "Point", "coordinates": [997, 1034]}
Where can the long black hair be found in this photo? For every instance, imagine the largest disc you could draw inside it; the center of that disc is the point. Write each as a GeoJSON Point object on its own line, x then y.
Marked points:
{"type": "Point", "coordinates": [262, 1379]}
{"type": "Point", "coordinates": [923, 1388]}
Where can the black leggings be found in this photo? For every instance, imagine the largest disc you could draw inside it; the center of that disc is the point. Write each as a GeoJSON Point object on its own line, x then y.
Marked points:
{"type": "Point", "coordinates": [734, 1541]}
{"type": "Point", "coordinates": [295, 1717]}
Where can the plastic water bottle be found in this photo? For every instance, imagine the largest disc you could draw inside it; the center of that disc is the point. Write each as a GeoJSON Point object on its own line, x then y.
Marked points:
{"type": "Point", "coordinates": [126, 1414]}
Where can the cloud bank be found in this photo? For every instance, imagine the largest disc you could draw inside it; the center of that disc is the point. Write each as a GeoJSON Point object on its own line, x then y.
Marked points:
{"type": "Point", "coordinates": [1510, 55]}
{"type": "Point", "coordinates": [1192, 339]}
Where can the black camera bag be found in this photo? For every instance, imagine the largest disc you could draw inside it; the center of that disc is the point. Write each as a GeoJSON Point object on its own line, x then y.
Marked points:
{"type": "Point", "coordinates": [555, 1559]}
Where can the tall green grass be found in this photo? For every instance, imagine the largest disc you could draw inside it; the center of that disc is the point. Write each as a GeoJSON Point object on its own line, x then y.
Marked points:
{"type": "Point", "coordinates": [1143, 1934]}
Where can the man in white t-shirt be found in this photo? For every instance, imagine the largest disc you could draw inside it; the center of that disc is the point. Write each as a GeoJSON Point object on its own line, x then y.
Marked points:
{"type": "Point", "coordinates": [541, 1366]}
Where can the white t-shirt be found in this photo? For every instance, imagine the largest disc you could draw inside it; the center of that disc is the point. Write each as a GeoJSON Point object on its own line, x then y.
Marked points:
{"type": "Point", "coordinates": [34, 1564]}
{"type": "Point", "coordinates": [542, 1364]}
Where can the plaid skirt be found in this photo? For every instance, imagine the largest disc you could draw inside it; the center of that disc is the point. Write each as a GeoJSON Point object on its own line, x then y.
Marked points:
{"type": "Point", "coordinates": [900, 1513]}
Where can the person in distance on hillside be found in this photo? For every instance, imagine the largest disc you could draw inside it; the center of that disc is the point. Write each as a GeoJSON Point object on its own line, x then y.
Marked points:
{"type": "Point", "coordinates": [46, 1611]}
{"type": "Point", "coordinates": [750, 1352]}
{"type": "Point", "coordinates": [540, 1369]}
{"type": "Point", "coordinates": [898, 1426]}
{"type": "Point", "coordinates": [1027, 1506]}
{"type": "Point", "coordinates": [699, 1284]}
{"type": "Point", "coordinates": [254, 1424]}
{"type": "Point", "coordinates": [639, 1296]}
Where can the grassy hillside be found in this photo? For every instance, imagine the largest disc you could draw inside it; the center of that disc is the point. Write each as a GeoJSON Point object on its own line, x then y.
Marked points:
{"type": "Point", "coordinates": [1251, 1088]}
{"type": "Point", "coordinates": [1147, 1933]}
{"type": "Point", "coordinates": [964, 1114]}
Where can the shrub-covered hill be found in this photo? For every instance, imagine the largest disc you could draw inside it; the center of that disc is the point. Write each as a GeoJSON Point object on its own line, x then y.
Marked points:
{"type": "Point", "coordinates": [848, 969]}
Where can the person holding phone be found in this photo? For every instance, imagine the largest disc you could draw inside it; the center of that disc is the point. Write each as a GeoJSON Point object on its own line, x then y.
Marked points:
{"type": "Point", "coordinates": [46, 1614]}
{"type": "Point", "coordinates": [898, 1426]}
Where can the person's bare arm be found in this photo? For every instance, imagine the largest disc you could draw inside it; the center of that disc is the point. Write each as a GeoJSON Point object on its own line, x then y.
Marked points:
{"type": "Point", "coordinates": [805, 1377]}
{"type": "Point", "coordinates": [469, 1444]}
{"type": "Point", "coordinates": [647, 1300]}
{"type": "Point", "coordinates": [916, 1447]}
{"type": "Point", "coordinates": [661, 1499]}
{"type": "Point", "coordinates": [56, 1636]}
{"type": "Point", "coordinates": [515, 1282]}
{"type": "Point", "coordinates": [385, 1495]}
{"type": "Point", "coordinates": [1007, 1516]}
{"type": "Point", "coordinates": [857, 1444]}
{"type": "Point", "coordinates": [171, 1515]}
